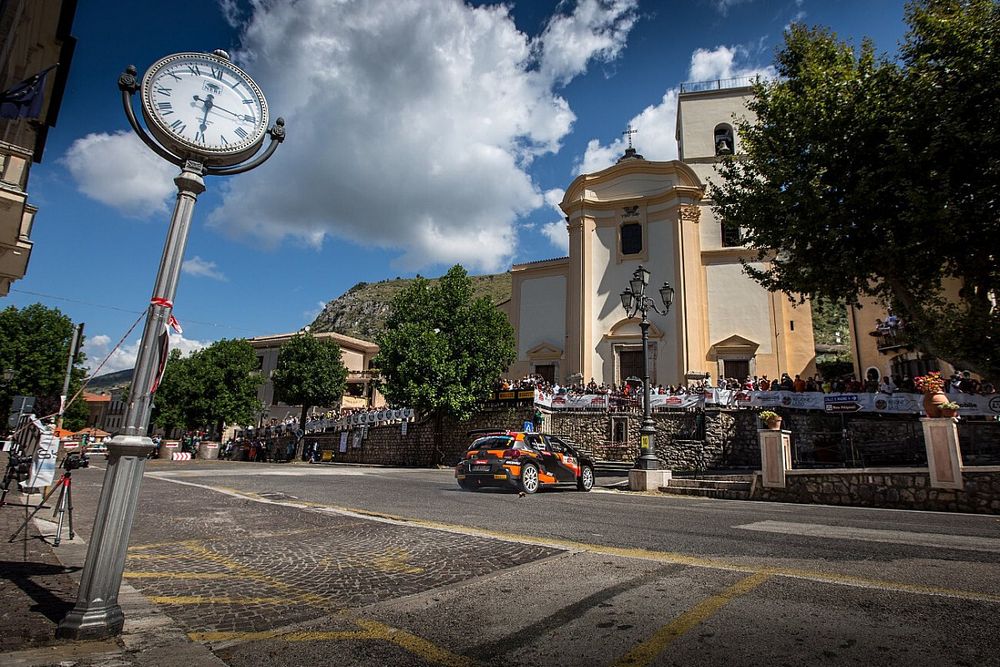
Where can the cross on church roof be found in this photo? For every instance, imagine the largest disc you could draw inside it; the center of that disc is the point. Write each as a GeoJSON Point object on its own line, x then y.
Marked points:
{"type": "Point", "coordinates": [630, 153]}
{"type": "Point", "coordinates": [629, 131]}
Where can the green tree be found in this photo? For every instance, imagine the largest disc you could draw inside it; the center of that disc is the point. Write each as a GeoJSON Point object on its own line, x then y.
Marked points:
{"type": "Point", "coordinates": [442, 349]}
{"type": "Point", "coordinates": [211, 387]}
{"type": "Point", "coordinates": [34, 347]}
{"type": "Point", "coordinates": [310, 371]}
{"type": "Point", "coordinates": [861, 176]}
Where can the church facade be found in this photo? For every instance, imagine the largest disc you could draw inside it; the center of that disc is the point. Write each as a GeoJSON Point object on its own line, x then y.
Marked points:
{"type": "Point", "coordinates": [567, 312]}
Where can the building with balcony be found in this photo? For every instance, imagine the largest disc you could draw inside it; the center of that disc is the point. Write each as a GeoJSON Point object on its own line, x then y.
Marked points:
{"type": "Point", "coordinates": [357, 356]}
{"type": "Point", "coordinates": [35, 38]}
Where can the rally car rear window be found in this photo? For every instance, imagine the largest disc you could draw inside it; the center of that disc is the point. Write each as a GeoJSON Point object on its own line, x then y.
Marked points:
{"type": "Point", "coordinates": [496, 442]}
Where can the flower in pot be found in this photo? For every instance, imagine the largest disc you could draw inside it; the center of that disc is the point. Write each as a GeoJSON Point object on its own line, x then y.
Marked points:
{"type": "Point", "coordinates": [772, 420]}
{"type": "Point", "coordinates": [949, 409]}
{"type": "Point", "coordinates": [932, 386]}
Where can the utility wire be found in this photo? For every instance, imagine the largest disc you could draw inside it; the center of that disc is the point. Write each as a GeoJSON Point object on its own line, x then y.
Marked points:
{"type": "Point", "coordinates": [125, 310]}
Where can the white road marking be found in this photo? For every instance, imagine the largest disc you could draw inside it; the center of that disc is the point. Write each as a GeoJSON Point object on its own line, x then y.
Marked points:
{"type": "Point", "coordinates": [257, 472]}
{"type": "Point", "coordinates": [935, 540]}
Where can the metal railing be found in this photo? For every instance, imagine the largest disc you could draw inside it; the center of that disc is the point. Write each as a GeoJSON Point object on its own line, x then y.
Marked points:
{"type": "Point", "coordinates": [718, 84]}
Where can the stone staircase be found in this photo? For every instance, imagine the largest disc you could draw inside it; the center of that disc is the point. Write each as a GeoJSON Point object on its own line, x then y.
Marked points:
{"type": "Point", "coordinates": [726, 487]}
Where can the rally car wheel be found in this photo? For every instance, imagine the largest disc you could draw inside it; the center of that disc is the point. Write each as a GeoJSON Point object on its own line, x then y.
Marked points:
{"type": "Point", "coordinates": [529, 478]}
{"type": "Point", "coordinates": [586, 480]}
{"type": "Point", "coordinates": [466, 486]}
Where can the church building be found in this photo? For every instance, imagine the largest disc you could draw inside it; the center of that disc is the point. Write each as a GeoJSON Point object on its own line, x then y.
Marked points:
{"type": "Point", "coordinates": [568, 315]}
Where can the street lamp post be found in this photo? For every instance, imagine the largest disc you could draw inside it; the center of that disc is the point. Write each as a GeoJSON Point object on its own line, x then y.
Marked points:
{"type": "Point", "coordinates": [199, 146]}
{"type": "Point", "coordinates": [635, 300]}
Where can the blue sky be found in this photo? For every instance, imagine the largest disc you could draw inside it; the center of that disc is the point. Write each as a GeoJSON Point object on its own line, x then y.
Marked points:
{"type": "Point", "coordinates": [421, 133]}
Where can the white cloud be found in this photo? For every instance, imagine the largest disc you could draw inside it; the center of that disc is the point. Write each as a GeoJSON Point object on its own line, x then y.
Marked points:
{"type": "Point", "coordinates": [118, 170]}
{"type": "Point", "coordinates": [723, 6]}
{"type": "Point", "coordinates": [196, 266]}
{"type": "Point", "coordinates": [231, 12]}
{"type": "Point", "coordinates": [596, 30]}
{"type": "Point", "coordinates": [556, 231]}
{"type": "Point", "coordinates": [97, 348]}
{"type": "Point", "coordinates": [656, 124]}
{"type": "Point", "coordinates": [410, 124]}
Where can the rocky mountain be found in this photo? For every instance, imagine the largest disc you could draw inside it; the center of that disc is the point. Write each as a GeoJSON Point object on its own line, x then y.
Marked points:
{"type": "Point", "coordinates": [362, 310]}
{"type": "Point", "coordinates": [109, 381]}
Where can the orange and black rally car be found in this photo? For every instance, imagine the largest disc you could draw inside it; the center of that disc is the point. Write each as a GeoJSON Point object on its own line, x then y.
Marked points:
{"type": "Point", "coordinates": [524, 461]}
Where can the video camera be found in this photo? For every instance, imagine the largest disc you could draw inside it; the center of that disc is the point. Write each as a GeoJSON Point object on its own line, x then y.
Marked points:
{"type": "Point", "coordinates": [19, 465]}
{"type": "Point", "coordinates": [75, 461]}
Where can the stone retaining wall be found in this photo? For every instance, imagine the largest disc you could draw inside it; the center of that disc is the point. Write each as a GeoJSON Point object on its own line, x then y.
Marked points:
{"type": "Point", "coordinates": [907, 488]}
{"type": "Point", "coordinates": [386, 445]}
{"type": "Point", "coordinates": [716, 439]}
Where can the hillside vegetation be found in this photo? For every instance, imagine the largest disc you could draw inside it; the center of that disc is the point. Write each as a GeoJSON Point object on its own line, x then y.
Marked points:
{"type": "Point", "coordinates": [362, 310]}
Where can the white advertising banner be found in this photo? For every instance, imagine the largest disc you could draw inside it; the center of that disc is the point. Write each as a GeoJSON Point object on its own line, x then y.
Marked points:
{"type": "Point", "coordinates": [43, 465]}
{"type": "Point", "coordinates": [973, 405]}
{"type": "Point", "coordinates": [343, 441]}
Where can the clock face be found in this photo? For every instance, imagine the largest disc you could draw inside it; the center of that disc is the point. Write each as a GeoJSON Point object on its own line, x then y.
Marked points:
{"type": "Point", "coordinates": [204, 105]}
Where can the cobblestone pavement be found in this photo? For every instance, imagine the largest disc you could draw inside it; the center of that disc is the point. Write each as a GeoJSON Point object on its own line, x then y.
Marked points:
{"type": "Point", "coordinates": [237, 566]}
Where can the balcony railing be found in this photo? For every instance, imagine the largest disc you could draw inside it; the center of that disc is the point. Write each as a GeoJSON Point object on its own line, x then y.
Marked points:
{"type": "Point", "coordinates": [887, 342]}
{"type": "Point", "coordinates": [718, 84]}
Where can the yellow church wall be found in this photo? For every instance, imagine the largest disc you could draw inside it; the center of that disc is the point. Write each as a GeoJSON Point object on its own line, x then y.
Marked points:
{"type": "Point", "coordinates": [537, 312]}
{"type": "Point", "coordinates": [738, 306]}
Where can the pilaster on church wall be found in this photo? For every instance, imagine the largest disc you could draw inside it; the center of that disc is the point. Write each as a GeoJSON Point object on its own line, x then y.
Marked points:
{"type": "Point", "coordinates": [693, 330]}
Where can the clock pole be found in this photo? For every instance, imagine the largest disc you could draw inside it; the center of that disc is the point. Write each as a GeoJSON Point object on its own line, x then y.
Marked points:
{"type": "Point", "coordinates": [97, 613]}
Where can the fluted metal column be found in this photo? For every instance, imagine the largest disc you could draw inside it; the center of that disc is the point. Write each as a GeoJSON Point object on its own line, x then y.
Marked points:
{"type": "Point", "coordinates": [97, 613]}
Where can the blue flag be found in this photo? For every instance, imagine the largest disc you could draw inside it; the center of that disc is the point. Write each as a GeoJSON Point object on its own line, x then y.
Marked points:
{"type": "Point", "coordinates": [24, 100]}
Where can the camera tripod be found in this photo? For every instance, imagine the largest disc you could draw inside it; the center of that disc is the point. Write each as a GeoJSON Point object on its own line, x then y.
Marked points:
{"type": "Point", "coordinates": [64, 507]}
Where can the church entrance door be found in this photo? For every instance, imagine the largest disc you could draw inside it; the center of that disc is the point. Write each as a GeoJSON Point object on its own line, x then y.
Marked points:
{"type": "Point", "coordinates": [630, 365]}
{"type": "Point", "coordinates": [737, 368]}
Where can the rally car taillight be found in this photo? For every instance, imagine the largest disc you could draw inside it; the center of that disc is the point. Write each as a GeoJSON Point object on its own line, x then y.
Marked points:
{"type": "Point", "coordinates": [511, 453]}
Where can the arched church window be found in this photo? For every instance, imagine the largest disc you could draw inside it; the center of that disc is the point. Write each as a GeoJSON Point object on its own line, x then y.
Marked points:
{"type": "Point", "coordinates": [631, 238]}
{"type": "Point", "coordinates": [723, 139]}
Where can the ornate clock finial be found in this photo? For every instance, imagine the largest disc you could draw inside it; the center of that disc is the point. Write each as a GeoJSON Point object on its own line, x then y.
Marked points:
{"type": "Point", "coordinates": [221, 54]}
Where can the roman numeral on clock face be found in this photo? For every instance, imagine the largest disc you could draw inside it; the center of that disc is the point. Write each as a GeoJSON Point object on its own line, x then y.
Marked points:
{"type": "Point", "coordinates": [178, 126]}
{"type": "Point", "coordinates": [199, 135]}
{"type": "Point", "coordinates": [194, 70]}
{"type": "Point", "coordinates": [216, 73]}
{"type": "Point", "coordinates": [241, 133]}
{"type": "Point", "coordinates": [160, 90]}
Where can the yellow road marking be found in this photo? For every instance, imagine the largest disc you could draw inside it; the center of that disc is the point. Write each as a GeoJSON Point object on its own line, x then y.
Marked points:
{"type": "Point", "coordinates": [646, 652]}
{"type": "Point", "coordinates": [160, 556]}
{"type": "Point", "coordinates": [702, 562]}
{"type": "Point", "coordinates": [391, 561]}
{"type": "Point", "coordinates": [200, 599]}
{"type": "Point", "coordinates": [250, 573]}
{"type": "Point", "coordinates": [370, 631]}
{"type": "Point", "coordinates": [178, 575]}
{"type": "Point", "coordinates": [642, 554]}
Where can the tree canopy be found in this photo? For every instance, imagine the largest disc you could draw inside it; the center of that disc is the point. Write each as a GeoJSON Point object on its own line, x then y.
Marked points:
{"type": "Point", "coordinates": [442, 349]}
{"type": "Point", "coordinates": [860, 176]}
{"type": "Point", "coordinates": [310, 372]}
{"type": "Point", "coordinates": [211, 386]}
{"type": "Point", "coordinates": [34, 347]}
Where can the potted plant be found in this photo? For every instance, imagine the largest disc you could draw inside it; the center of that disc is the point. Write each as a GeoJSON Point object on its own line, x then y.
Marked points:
{"type": "Point", "coordinates": [932, 387]}
{"type": "Point", "coordinates": [949, 409]}
{"type": "Point", "coordinates": [772, 420]}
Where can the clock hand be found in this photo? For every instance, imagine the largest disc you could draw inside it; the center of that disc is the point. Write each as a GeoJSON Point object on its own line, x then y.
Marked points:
{"type": "Point", "coordinates": [208, 107]}
{"type": "Point", "coordinates": [216, 107]}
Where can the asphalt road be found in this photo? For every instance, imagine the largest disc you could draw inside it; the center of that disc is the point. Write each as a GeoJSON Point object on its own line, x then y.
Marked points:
{"type": "Point", "coordinates": [302, 564]}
